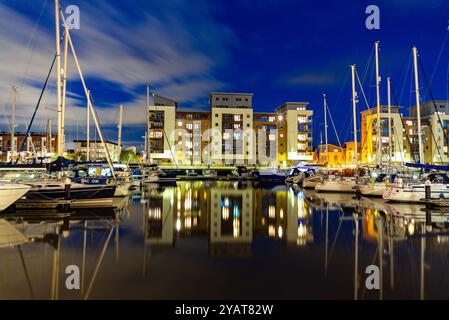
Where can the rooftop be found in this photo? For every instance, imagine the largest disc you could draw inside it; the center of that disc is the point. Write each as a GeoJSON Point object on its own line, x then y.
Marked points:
{"type": "Point", "coordinates": [291, 105]}
{"type": "Point", "coordinates": [232, 93]}
{"type": "Point", "coordinates": [95, 141]}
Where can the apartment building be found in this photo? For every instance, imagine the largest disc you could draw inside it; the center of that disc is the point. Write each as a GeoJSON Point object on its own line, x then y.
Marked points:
{"type": "Point", "coordinates": [97, 152]}
{"type": "Point", "coordinates": [271, 137]}
{"type": "Point", "coordinates": [435, 131]}
{"type": "Point", "coordinates": [36, 145]}
{"type": "Point", "coordinates": [231, 133]}
{"type": "Point", "coordinates": [297, 119]}
{"type": "Point", "coordinates": [161, 129]}
{"type": "Point", "coordinates": [335, 155]}
{"type": "Point", "coordinates": [192, 137]}
{"type": "Point", "coordinates": [232, 128]}
{"type": "Point", "coordinates": [368, 139]}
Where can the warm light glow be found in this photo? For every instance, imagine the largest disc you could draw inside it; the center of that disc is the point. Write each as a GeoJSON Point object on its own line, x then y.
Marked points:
{"type": "Point", "coordinates": [178, 224]}
{"type": "Point", "coordinates": [155, 213]}
{"type": "Point", "coordinates": [411, 228]}
{"type": "Point", "coordinates": [180, 123]}
{"type": "Point", "coordinates": [272, 212]}
{"type": "Point", "coordinates": [271, 230]}
{"type": "Point", "coordinates": [280, 231]}
{"type": "Point", "coordinates": [302, 231]}
{"type": "Point", "coordinates": [236, 228]}
{"type": "Point", "coordinates": [225, 213]}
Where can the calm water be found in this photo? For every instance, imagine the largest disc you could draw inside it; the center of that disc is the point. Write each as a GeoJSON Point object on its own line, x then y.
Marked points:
{"type": "Point", "coordinates": [228, 240]}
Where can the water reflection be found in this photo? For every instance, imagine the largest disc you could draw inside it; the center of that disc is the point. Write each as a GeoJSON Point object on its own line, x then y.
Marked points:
{"type": "Point", "coordinates": [193, 239]}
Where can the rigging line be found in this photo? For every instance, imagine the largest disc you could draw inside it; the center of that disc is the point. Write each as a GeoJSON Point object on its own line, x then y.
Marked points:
{"type": "Point", "coordinates": [370, 60]}
{"type": "Point", "coordinates": [368, 108]}
{"type": "Point", "coordinates": [339, 96]}
{"type": "Point", "coordinates": [447, 82]}
{"type": "Point", "coordinates": [395, 98]}
{"type": "Point", "coordinates": [432, 76]}
{"type": "Point", "coordinates": [4, 109]}
{"type": "Point", "coordinates": [404, 77]}
{"type": "Point", "coordinates": [168, 142]}
{"type": "Point", "coordinates": [33, 34]}
{"type": "Point", "coordinates": [333, 125]}
{"type": "Point", "coordinates": [435, 107]}
{"type": "Point", "coordinates": [396, 132]}
{"type": "Point", "coordinates": [35, 110]}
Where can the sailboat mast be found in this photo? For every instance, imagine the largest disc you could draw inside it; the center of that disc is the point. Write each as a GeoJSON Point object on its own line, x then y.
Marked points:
{"type": "Point", "coordinates": [88, 127]}
{"type": "Point", "coordinates": [64, 88]}
{"type": "Point", "coordinates": [325, 127]}
{"type": "Point", "coordinates": [13, 120]}
{"type": "Point", "coordinates": [89, 102]}
{"type": "Point", "coordinates": [418, 106]}
{"type": "Point", "coordinates": [389, 119]}
{"type": "Point", "coordinates": [58, 79]}
{"type": "Point", "coordinates": [354, 112]}
{"type": "Point", "coordinates": [378, 138]}
{"type": "Point", "coordinates": [48, 146]}
{"type": "Point", "coordinates": [120, 119]}
{"type": "Point", "coordinates": [147, 137]}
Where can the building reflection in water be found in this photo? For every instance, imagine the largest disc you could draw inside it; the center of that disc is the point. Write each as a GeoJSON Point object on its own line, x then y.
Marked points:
{"type": "Point", "coordinates": [229, 213]}
{"type": "Point", "coordinates": [233, 215]}
{"type": "Point", "coordinates": [236, 220]}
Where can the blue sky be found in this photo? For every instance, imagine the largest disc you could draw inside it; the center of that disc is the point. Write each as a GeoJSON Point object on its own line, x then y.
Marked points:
{"type": "Point", "coordinates": [278, 50]}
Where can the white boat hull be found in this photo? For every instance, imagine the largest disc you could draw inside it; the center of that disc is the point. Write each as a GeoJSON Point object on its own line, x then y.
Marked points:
{"type": "Point", "coordinates": [415, 193]}
{"type": "Point", "coordinates": [372, 189]}
{"type": "Point", "coordinates": [10, 193]}
{"type": "Point", "coordinates": [311, 182]}
{"type": "Point", "coordinates": [336, 186]}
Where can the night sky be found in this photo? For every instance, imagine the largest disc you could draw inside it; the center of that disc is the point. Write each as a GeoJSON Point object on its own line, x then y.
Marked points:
{"type": "Point", "coordinates": [278, 50]}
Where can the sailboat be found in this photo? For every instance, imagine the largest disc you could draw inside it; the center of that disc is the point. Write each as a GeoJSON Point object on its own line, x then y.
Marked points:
{"type": "Point", "coordinates": [80, 195]}
{"type": "Point", "coordinates": [10, 193]}
{"type": "Point", "coordinates": [52, 190]}
{"type": "Point", "coordinates": [343, 184]}
{"type": "Point", "coordinates": [376, 185]}
{"type": "Point", "coordinates": [415, 191]}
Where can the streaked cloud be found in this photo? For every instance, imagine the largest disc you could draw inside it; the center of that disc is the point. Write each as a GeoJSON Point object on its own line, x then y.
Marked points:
{"type": "Point", "coordinates": [120, 47]}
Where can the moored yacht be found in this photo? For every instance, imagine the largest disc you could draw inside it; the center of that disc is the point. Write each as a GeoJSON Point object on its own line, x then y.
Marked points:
{"type": "Point", "coordinates": [375, 187]}
{"type": "Point", "coordinates": [337, 184]}
{"type": "Point", "coordinates": [312, 181]}
{"type": "Point", "coordinates": [415, 191]}
{"type": "Point", "coordinates": [10, 193]}
{"type": "Point", "coordinates": [80, 195]}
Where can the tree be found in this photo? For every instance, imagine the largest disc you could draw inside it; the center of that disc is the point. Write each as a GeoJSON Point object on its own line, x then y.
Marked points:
{"type": "Point", "coordinates": [127, 156]}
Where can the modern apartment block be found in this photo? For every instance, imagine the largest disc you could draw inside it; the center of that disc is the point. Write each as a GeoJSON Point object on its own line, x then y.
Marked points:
{"type": "Point", "coordinates": [232, 128]}
{"type": "Point", "coordinates": [97, 150]}
{"type": "Point", "coordinates": [271, 135]}
{"type": "Point", "coordinates": [297, 119]}
{"type": "Point", "coordinates": [192, 137]}
{"type": "Point", "coordinates": [368, 140]}
{"type": "Point", "coordinates": [230, 133]}
{"type": "Point", "coordinates": [161, 129]}
{"type": "Point", "coordinates": [405, 134]}
{"type": "Point", "coordinates": [37, 145]}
